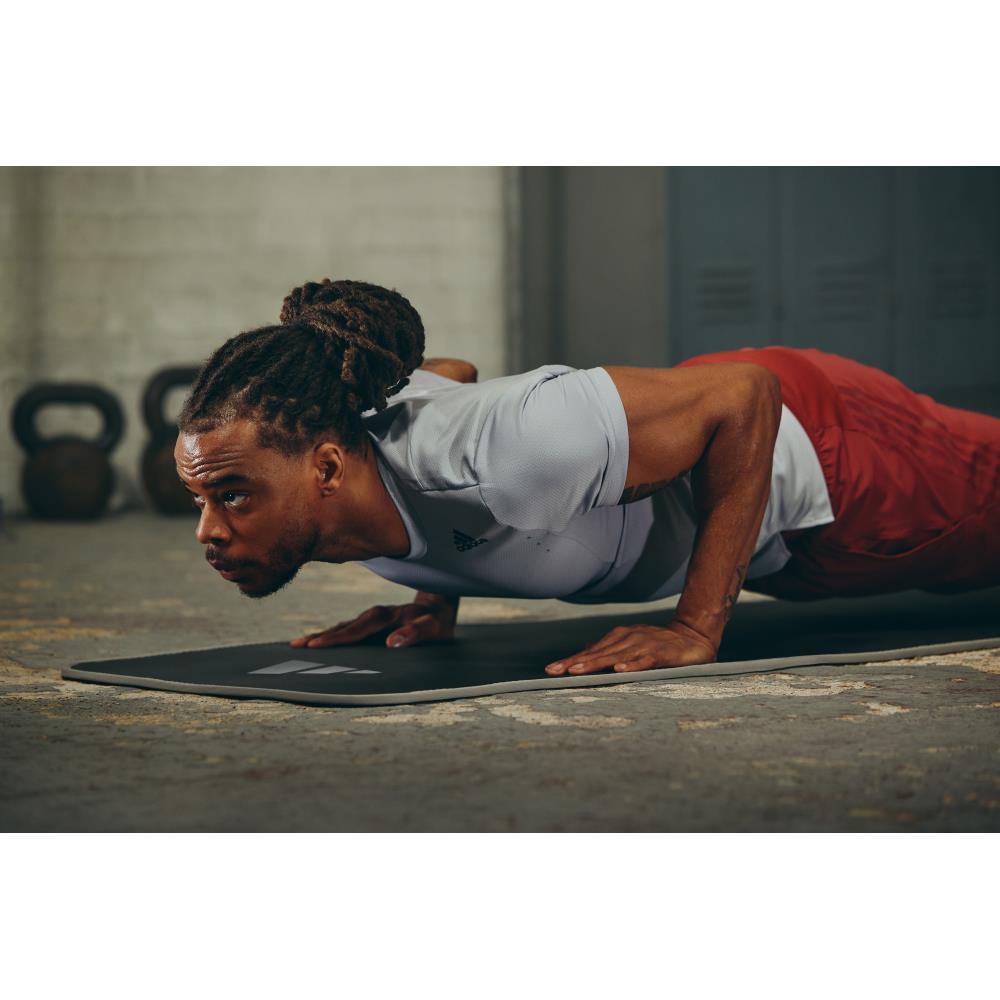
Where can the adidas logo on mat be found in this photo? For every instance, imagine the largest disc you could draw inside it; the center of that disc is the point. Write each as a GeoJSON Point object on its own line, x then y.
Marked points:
{"type": "Point", "coordinates": [464, 542]}
{"type": "Point", "coordinates": [305, 667]}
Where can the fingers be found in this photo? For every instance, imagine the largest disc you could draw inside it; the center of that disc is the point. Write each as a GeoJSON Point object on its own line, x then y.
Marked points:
{"type": "Point", "coordinates": [637, 647]}
{"type": "Point", "coordinates": [425, 626]}
{"type": "Point", "coordinates": [641, 662]}
{"type": "Point", "coordinates": [412, 623]}
{"type": "Point", "coordinates": [368, 623]}
{"type": "Point", "coordinates": [339, 635]}
{"type": "Point", "coordinates": [621, 661]}
{"type": "Point", "coordinates": [615, 643]}
{"type": "Point", "coordinates": [585, 663]}
{"type": "Point", "coordinates": [299, 641]}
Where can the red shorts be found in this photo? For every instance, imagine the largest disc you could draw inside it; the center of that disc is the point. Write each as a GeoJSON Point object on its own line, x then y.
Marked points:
{"type": "Point", "coordinates": [914, 484]}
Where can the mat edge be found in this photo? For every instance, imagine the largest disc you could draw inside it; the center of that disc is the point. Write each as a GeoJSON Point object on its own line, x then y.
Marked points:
{"type": "Point", "coordinates": [542, 684]}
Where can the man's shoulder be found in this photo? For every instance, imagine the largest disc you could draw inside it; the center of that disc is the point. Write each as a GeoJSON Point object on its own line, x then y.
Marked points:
{"type": "Point", "coordinates": [429, 432]}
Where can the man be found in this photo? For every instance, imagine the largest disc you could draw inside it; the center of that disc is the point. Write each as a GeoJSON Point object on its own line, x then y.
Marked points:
{"type": "Point", "coordinates": [324, 438]}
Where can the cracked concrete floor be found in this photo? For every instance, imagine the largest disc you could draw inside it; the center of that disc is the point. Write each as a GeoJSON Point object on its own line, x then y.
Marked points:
{"type": "Point", "coordinates": [899, 745]}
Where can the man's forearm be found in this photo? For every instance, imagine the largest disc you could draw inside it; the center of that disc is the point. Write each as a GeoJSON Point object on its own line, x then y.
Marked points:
{"type": "Point", "coordinates": [731, 485]}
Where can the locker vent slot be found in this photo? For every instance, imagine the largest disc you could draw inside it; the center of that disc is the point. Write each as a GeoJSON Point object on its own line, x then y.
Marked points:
{"type": "Point", "coordinates": [844, 292]}
{"type": "Point", "coordinates": [726, 295]}
{"type": "Point", "coordinates": [957, 288]}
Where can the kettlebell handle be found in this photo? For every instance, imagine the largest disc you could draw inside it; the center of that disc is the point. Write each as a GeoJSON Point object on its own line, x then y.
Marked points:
{"type": "Point", "coordinates": [156, 392]}
{"type": "Point", "coordinates": [75, 394]}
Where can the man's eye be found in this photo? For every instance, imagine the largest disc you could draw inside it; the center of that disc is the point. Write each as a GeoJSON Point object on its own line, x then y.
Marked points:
{"type": "Point", "coordinates": [196, 501]}
{"type": "Point", "coordinates": [233, 498]}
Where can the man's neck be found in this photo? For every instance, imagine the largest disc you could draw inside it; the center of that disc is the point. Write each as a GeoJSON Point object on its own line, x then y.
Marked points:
{"type": "Point", "coordinates": [392, 534]}
{"type": "Point", "coordinates": [365, 521]}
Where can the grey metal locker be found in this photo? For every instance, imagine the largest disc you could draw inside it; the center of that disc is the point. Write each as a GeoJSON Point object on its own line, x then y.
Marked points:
{"type": "Point", "coordinates": [722, 259]}
{"type": "Point", "coordinates": [896, 267]}
{"type": "Point", "coordinates": [948, 242]}
{"type": "Point", "coordinates": [835, 247]}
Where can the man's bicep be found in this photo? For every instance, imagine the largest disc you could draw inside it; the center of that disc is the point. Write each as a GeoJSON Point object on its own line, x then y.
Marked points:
{"type": "Point", "coordinates": [672, 415]}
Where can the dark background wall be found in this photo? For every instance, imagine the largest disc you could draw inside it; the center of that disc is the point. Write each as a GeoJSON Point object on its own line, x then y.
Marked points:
{"type": "Point", "coordinates": [897, 267]}
{"type": "Point", "coordinates": [110, 273]}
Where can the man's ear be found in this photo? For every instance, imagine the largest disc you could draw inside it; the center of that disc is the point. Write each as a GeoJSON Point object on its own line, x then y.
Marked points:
{"type": "Point", "coordinates": [328, 465]}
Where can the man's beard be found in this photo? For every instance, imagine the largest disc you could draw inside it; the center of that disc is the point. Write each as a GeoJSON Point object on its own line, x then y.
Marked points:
{"type": "Point", "coordinates": [282, 563]}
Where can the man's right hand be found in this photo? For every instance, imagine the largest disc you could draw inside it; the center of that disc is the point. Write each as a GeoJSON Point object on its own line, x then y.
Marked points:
{"type": "Point", "coordinates": [401, 624]}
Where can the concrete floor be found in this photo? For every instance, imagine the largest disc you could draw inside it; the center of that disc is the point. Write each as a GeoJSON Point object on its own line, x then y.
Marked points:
{"type": "Point", "coordinates": [902, 745]}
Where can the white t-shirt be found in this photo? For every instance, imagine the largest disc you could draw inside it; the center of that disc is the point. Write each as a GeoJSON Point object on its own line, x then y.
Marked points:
{"type": "Point", "coordinates": [510, 488]}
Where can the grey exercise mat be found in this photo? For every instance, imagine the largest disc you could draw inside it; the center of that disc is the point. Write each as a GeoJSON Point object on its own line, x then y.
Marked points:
{"type": "Point", "coordinates": [492, 659]}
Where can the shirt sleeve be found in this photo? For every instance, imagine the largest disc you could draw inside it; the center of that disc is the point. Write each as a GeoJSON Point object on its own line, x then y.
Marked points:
{"type": "Point", "coordinates": [553, 448]}
{"type": "Point", "coordinates": [423, 382]}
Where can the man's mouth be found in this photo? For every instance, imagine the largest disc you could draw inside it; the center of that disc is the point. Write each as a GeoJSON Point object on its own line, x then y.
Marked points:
{"type": "Point", "coordinates": [227, 572]}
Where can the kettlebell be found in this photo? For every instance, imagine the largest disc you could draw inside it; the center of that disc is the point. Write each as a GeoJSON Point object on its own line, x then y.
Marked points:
{"type": "Point", "coordinates": [159, 473]}
{"type": "Point", "coordinates": [67, 477]}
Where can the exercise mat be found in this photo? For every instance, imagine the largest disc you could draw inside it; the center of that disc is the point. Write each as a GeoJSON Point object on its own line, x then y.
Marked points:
{"type": "Point", "coordinates": [492, 659]}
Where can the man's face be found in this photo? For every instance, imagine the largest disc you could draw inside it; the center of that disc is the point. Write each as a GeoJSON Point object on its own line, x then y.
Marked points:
{"type": "Point", "coordinates": [258, 520]}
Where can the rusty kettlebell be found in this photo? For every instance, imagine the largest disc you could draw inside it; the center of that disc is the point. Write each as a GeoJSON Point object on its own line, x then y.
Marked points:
{"type": "Point", "coordinates": [67, 477]}
{"type": "Point", "coordinates": [159, 473]}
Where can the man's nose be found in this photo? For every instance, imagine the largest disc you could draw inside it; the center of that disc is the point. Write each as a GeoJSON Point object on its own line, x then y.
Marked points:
{"type": "Point", "coordinates": [211, 528]}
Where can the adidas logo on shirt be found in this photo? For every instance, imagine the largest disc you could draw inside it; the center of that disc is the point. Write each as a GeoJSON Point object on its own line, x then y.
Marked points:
{"type": "Point", "coordinates": [464, 542]}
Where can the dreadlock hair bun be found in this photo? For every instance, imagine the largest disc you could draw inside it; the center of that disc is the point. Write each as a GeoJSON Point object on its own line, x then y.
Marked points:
{"type": "Point", "coordinates": [341, 348]}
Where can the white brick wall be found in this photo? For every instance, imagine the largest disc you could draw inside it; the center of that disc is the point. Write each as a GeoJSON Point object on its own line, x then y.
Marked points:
{"type": "Point", "coordinates": [107, 273]}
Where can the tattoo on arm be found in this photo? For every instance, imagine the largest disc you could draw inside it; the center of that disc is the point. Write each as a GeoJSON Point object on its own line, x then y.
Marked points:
{"type": "Point", "coordinates": [731, 598]}
{"type": "Point", "coordinates": [632, 493]}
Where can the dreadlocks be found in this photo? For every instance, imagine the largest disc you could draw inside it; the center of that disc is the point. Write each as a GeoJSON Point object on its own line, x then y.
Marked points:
{"type": "Point", "coordinates": [341, 348]}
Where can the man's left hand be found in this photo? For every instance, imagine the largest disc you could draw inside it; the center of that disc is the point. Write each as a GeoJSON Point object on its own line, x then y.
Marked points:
{"type": "Point", "coordinates": [638, 647]}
